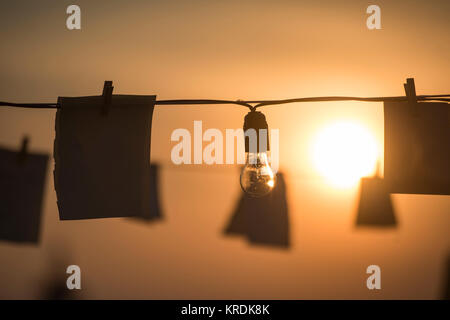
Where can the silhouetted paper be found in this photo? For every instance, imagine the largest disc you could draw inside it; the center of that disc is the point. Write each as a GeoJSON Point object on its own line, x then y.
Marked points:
{"type": "Point", "coordinates": [21, 193]}
{"type": "Point", "coordinates": [375, 205]}
{"type": "Point", "coordinates": [417, 148]}
{"type": "Point", "coordinates": [264, 221]}
{"type": "Point", "coordinates": [237, 225]}
{"type": "Point", "coordinates": [155, 212]}
{"type": "Point", "coordinates": [102, 162]}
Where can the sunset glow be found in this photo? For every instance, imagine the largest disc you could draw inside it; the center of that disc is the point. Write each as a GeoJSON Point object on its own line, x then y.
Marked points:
{"type": "Point", "coordinates": [344, 152]}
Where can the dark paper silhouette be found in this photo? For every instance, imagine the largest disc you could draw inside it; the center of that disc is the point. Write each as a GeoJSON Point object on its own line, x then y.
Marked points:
{"type": "Point", "coordinates": [155, 212]}
{"type": "Point", "coordinates": [54, 281]}
{"type": "Point", "coordinates": [102, 160]}
{"type": "Point", "coordinates": [417, 152]}
{"type": "Point", "coordinates": [22, 181]}
{"type": "Point", "coordinates": [446, 293]}
{"type": "Point", "coordinates": [57, 289]}
{"type": "Point", "coordinates": [264, 221]}
{"type": "Point", "coordinates": [375, 205]}
{"type": "Point", "coordinates": [237, 224]}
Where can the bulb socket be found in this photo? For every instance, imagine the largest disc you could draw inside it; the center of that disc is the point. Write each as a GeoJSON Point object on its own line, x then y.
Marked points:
{"type": "Point", "coordinates": [257, 121]}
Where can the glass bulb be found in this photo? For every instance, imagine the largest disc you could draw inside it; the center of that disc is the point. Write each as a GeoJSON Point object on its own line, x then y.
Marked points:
{"type": "Point", "coordinates": [257, 178]}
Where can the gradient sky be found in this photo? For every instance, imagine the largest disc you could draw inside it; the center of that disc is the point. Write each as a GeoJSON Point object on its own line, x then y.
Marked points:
{"type": "Point", "coordinates": [228, 50]}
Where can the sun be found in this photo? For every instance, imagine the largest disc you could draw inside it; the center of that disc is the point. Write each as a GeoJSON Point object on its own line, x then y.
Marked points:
{"type": "Point", "coordinates": [344, 152]}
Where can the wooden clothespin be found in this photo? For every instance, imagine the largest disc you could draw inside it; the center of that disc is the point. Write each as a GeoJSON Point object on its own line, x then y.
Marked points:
{"type": "Point", "coordinates": [107, 96]}
{"type": "Point", "coordinates": [410, 90]}
{"type": "Point", "coordinates": [23, 153]}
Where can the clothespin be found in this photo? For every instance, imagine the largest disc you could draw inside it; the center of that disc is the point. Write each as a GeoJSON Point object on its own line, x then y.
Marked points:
{"type": "Point", "coordinates": [107, 96]}
{"type": "Point", "coordinates": [410, 90]}
{"type": "Point", "coordinates": [22, 155]}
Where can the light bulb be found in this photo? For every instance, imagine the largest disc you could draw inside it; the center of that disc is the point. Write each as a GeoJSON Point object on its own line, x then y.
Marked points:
{"type": "Point", "coordinates": [257, 178]}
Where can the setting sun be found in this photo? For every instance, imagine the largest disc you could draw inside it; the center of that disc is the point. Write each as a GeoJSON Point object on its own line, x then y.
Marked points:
{"type": "Point", "coordinates": [344, 152]}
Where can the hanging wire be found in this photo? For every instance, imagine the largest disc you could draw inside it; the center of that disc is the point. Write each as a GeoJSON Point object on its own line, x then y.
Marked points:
{"type": "Point", "coordinates": [340, 98]}
{"type": "Point", "coordinates": [249, 103]}
{"type": "Point", "coordinates": [202, 101]}
{"type": "Point", "coordinates": [29, 105]}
